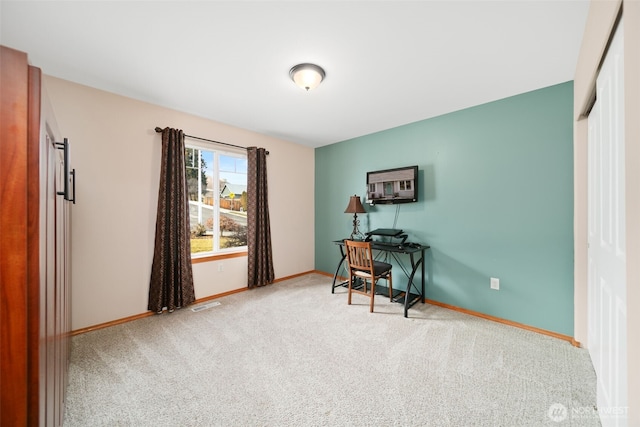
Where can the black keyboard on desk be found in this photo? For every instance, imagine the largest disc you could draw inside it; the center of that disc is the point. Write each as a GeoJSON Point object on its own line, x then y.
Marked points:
{"type": "Point", "coordinates": [401, 246]}
{"type": "Point", "coordinates": [386, 244]}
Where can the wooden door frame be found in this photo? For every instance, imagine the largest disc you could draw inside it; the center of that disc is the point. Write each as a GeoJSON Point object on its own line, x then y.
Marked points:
{"type": "Point", "coordinates": [19, 246]}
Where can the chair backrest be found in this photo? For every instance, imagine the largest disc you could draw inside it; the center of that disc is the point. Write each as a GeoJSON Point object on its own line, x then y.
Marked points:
{"type": "Point", "coordinates": [359, 255]}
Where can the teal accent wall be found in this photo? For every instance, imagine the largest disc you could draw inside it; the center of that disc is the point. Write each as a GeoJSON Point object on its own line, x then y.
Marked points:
{"type": "Point", "coordinates": [496, 200]}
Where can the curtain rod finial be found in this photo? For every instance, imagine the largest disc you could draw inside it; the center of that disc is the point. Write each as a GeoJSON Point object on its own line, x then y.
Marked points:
{"type": "Point", "coordinates": [158, 129]}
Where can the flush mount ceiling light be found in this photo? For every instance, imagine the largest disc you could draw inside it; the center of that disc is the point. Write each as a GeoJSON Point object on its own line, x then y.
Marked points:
{"type": "Point", "coordinates": [307, 76]}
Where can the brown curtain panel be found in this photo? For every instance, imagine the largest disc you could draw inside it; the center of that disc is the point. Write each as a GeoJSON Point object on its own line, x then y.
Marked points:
{"type": "Point", "coordinates": [258, 229]}
{"type": "Point", "coordinates": [171, 284]}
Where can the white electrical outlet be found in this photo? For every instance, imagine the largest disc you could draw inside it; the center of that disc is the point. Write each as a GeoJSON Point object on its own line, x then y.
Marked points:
{"type": "Point", "coordinates": [221, 267]}
{"type": "Point", "coordinates": [495, 283]}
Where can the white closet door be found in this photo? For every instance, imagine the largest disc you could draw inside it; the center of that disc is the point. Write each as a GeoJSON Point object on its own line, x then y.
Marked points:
{"type": "Point", "coordinates": [607, 246]}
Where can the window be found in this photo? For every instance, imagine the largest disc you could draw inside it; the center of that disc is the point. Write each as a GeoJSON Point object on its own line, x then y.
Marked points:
{"type": "Point", "coordinates": [405, 185]}
{"type": "Point", "coordinates": [217, 187]}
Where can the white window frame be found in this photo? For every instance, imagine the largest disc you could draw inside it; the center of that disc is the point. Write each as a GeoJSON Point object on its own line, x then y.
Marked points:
{"type": "Point", "coordinates": [217, 151]}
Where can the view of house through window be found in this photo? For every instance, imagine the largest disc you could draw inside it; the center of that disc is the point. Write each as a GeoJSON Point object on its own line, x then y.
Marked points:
{"type": "Point", "coordinates": [217, 185]}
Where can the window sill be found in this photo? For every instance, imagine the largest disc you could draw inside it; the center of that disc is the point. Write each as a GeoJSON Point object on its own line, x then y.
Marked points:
{"type": "Point", "coordinates": [218, 257]}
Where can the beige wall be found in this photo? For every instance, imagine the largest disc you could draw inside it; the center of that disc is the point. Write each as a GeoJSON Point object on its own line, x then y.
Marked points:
{"type": "Point", "coordinates": [116, 154]}
{"type": "Point", "coordinates": [600, 23]}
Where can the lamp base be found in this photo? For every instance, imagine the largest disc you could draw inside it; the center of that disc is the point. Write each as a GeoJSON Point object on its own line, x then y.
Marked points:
{"type": "Point", "coordinates": [356, 234]}
{"type": "Point", "coordinates": [359, 237]}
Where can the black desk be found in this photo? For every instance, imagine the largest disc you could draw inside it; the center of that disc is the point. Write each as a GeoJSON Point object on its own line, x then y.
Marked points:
{"type": "Point", "coordinates": [413, 294]}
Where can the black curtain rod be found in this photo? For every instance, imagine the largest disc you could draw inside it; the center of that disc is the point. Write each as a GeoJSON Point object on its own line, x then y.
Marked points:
{"type": "Point", "coordinates": [159, 130]}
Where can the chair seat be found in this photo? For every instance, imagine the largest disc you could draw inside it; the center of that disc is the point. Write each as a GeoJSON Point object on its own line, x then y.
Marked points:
{"type": "Point", "coordinates": [380, 268]}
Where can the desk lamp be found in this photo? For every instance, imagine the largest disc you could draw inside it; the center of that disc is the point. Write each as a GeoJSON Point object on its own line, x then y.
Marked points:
{"type": "Point", "coordinates": [355, 207]}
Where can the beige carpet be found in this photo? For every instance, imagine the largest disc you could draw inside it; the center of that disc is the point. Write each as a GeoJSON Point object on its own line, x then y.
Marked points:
{"type": "Point", "coordinates": [293, 354]}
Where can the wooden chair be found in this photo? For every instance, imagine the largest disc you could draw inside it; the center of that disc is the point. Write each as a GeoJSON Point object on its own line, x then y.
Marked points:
{"type": "Point", "coordinates": [362, 266]}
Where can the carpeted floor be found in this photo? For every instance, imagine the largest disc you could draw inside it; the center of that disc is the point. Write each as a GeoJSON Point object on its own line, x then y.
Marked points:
{"type": "Point", "coordinates": [293, 354]}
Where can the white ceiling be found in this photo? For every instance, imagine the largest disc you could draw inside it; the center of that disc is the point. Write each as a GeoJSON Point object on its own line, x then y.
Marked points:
{"type": "Point", "coordinates": [388, 63]}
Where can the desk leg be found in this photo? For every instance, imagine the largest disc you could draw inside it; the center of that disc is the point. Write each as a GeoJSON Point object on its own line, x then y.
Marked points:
{"type": "Point", "coordinates": [422, 296]}
{"type": "Point", "coordinates": [407, 303]}
{"type": "Point", "coordinates": [335, 276]}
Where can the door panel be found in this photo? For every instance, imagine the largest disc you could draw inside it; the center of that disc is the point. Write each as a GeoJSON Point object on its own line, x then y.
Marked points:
{"type": "Point", "coordinates": [606, 232]}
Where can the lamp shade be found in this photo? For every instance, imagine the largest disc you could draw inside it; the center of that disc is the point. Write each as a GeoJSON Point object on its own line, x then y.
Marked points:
{"type": "Point", "coordinates": [354, 206]}
{"type": "Point", "coordinates": [307, 76]}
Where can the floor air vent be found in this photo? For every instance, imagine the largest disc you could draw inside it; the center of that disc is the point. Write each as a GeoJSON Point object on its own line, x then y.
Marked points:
{"type": "Point", "coordinates": [205, 306]}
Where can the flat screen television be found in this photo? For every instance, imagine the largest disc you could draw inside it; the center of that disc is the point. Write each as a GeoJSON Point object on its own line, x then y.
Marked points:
{"type": "Point", "coordinates": [392, 186]}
